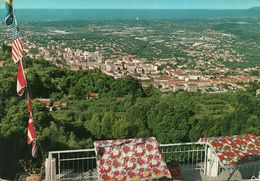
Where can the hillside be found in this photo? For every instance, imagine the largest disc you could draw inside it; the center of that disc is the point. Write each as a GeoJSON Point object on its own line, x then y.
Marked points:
{"type": "Point", "coordinates": [123, 109]}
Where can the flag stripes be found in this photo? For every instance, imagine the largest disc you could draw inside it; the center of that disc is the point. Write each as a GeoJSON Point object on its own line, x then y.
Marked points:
{"type": "Point", "coordinates": [31, 134]}
{"type": "Point", "coordinates": [17, 49]}
{"type": "Point", "coordinates": [21, 79]}
{"type": "Point", "coordinates": [34, 149]}
{"type": "Point", "coordinates": [31, 131]}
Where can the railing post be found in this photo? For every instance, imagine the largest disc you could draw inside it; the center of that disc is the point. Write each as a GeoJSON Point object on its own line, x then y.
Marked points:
{"type": "Point", "coordinates": [205, 159]}
{"type": "Point", "coordinates": [59, 165]}
{"type": "Point", "coordinates": [48, 167]}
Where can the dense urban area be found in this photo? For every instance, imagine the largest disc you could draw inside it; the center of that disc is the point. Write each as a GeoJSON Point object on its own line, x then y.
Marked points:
{"type": "Point", "coordinates": [207, 56]}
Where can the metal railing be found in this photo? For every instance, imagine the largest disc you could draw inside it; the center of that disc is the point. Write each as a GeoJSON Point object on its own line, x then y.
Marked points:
{"type": "Point", "coordinates": [189, 156]}
{"type": "Point", "coordinates": [248, 170]}
{"type": "Point", "coordinates": [81, 164]}
{"type": "Point", "coordinates": [71, 165]}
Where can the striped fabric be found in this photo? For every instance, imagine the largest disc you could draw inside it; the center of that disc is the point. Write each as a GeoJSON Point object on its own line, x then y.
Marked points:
{"type": "Point", "coordinates": [21, 79]}
{"type": "Point", "coordinates": [31, 136]}
{"type": "Point", "coordinates": [34, 149]}
{"type": "Point", "coordinates": [17, 49]}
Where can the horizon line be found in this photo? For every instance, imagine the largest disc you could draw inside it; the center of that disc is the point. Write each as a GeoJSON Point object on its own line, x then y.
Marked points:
{"type": "Point", "coordinates": [133, 8]}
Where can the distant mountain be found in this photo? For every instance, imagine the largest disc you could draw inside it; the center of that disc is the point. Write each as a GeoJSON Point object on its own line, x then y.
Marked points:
{"type": "Point", "coordinates": [126, 14]}
{"type": "Point", "coordinates": [255, 8]}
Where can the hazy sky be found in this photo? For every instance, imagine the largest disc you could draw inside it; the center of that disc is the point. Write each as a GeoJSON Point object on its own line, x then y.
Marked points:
{"type": "Point", "coordinates": [134, 4]}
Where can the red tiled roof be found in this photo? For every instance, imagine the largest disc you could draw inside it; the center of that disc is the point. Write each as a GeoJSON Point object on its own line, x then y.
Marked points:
{"type": "Point", "coordinates": [93, 94]}
{"type": "Point", "coordinates": [179, 73]}
{"type": "Point", "coordinates": [44, 101]}
{"type": "Point", "coordinates": [2, 63]}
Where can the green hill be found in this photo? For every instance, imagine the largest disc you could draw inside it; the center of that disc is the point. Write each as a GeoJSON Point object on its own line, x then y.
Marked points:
{"type": "Point", "coordinates": [123, 110]}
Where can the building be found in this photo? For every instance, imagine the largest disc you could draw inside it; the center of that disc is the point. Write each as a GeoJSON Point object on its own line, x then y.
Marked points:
{"type": "Point", "coordinates": [176, 87]}
{"type": "Point", "coordinates": [194, 76]}
{"type": "Point", "coordinates": [131, 67]}
{"type": "Point", "coordinates": [52, 105]}
{"type": "Point", "coordinates": [119, 66]}
{"type": "Point", "coordinates": [2, 63]}
{"type": "Point", "coordinates": [110, 66]}
{"type": "Point", "coordinates": [46, 102]}
{"type": "Point", "coordinates": [191, 87]}
{"type": "Point", "coordinates": [92, 95]}
{"type": "Point", "coordinates": [179, 74]}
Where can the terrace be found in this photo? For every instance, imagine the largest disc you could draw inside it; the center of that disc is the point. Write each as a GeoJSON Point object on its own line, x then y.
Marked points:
{"type": "Point", "coordinates": [186, 161]}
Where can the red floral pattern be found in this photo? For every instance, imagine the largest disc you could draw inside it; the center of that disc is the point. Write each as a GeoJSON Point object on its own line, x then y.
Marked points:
{"type": "Point", "coordinates": [233, 150]}
{"type": "Point", "coordinates": [130, 159]}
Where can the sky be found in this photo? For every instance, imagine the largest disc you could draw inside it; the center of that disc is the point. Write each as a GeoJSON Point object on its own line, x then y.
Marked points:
{"type": "Point", "coordinates": [133, 4]}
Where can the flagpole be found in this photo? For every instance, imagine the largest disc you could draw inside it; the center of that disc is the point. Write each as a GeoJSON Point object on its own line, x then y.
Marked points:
{"type": "Point", "coordinates": [22, 83]}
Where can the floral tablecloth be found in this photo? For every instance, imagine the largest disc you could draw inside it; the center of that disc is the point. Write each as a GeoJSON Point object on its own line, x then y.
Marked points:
{"type": "Point", "coordinates": [130, 159]}
{"type": "Point", "coordinates": [233, 150]}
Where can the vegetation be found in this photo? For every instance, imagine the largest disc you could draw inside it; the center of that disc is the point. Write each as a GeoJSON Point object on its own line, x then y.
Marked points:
{"type": "Point", "coordinates": [31, 168]}
{"type": "Point", "coordinates": [123, 110]}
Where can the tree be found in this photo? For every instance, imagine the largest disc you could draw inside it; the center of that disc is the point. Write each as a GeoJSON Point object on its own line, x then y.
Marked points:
{"type": "Point", "coordinates": [127, 85]}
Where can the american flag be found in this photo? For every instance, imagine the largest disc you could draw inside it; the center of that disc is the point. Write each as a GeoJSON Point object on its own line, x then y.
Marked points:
{"type": "Point", "coordinates": [31, 136]}
{"type": "Point", "coordinates": [17, 49]}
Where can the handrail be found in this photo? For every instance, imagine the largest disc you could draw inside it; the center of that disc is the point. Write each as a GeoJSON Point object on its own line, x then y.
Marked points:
{"type": "Point", "coordinates": [72, 151]}
{"type": "Point", "coordinates": [182, 144]}
{"type": "Point", "coordinates": [161, 145]}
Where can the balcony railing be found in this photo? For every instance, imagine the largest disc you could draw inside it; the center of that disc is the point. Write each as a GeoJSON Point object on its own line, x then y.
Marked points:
{"type": "Point", "coordinates": [71, 165]}
{"type": "Point", "coordinates": [190, 156]}
{"type": "Point", "coordinates": [192, 159]}
{"type": "Point", "coordinates": [81, 164]}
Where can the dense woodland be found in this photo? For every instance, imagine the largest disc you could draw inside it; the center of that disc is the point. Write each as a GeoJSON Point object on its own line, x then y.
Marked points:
{"type": "Point", "coordinates": [123, 110]}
